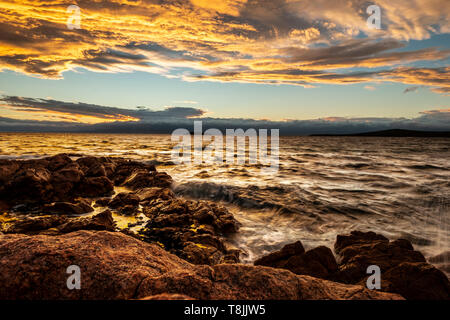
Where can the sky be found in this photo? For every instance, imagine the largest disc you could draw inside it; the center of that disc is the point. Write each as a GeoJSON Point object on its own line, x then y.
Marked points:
{"type": "Point", "coordinates": [155, 65]}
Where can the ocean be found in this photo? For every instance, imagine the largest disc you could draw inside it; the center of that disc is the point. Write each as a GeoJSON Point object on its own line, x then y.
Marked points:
{"type": "Point", "coordinates": [325, 186]}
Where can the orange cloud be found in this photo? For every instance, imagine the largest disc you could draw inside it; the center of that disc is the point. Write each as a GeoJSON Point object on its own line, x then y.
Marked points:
{"type": "Point", "coordinates": [279, 41]}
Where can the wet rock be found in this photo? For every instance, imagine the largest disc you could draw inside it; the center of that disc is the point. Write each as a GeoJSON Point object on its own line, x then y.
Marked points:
{"type": "Point", "coordinates": [30, 184]}
{"type": "Point", "coordinates": [31, 225]}
{"type": "Point", "coordinates": [65, 180]}
{"type": "Point", "coordinates": [357, 251]}
{"type": "Point", "coordinates": [7, 170]}
{"type": "Point", "coordinates": [60, 179]}
{"type": "Point", "coordinates": [54, 225]}
{"type": "Point", "coordinates": [197, 253]}
{"type": "Point", "coordinates": [125, 203]}
{"type": "Point", "coordinates": [147, 179]}
{"type": "Point", "coordinates": [116, 266]}
{"type": "Point", "coordinates": [318, 262]}
{"type": "Point", "coordinates": [102, 202]}
{"type": "Point", "coordinates": [126, 169]}
{"type": "Point", "coordinates": [277, 257]}
{"type": "Point", "coordinates": [357, 237]}
{"type": "Point", "coordinates": [191, 229]}
{"type": "Point", "coordinates": [92, 167]}
{"type": "Point", "coordinates": [81, 207]}
{"type": "Point", "coordinates": [402, 268]}
{"type": "Point", "coordinates": [58, 161]}
{"type": "Point", "coordinates": [101, 221]}
{"type": "Point", "coordinates": [96, 187]}
{"type": "Point", "coordinates": [148, 194]}
{"type": "Point", "coordinates": [417, 281]}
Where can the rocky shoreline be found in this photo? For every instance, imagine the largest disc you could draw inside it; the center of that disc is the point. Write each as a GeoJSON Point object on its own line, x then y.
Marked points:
{"type": "Point", "coordinates": [60, 211]}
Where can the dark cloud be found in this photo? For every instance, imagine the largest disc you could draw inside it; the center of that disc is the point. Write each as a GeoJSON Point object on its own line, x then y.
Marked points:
{"type": "Point", "coordinates": [97, 111]}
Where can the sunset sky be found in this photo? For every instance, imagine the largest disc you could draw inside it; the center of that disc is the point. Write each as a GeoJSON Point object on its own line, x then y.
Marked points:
{"type": "Point", "coordinates": [282, 62]}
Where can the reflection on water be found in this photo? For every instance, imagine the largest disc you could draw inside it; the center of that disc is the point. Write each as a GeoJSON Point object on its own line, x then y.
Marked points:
{"type": "Point", "coordinates": [325, 185]}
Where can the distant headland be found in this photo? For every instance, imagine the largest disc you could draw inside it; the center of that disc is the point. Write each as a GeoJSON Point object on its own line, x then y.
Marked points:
{"type": "Point", "coordinates": [393, 133]}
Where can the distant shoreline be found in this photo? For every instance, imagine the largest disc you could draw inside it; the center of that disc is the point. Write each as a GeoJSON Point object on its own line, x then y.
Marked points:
{"type": "Point", "coordinates": [381, 133]}
{"type": "Point", "coordinates": [392, 133]}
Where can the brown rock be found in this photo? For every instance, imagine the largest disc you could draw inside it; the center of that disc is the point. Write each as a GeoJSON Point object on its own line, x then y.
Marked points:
{"type": "Point", "coordinates": [126, 169]}
{"type": "Point", "coordinates": [30, 184]}
{"type": "Point", "coordinates": [95, 187]}
{"type": "Point", "coordinates": [124, 199]}
{"type": "Point", "coordinates": [148, 179]}
{"type": "Point", "coordinates": [274, 258]}
{"type": "Point", "coordinates": [92, 167]}
{"type": "Point", "coordinates": [102, 202]}
{"type": "Point", "coordinates": [101, 221]}
{"type": "Point", "coordinates": [148, 194]}
{"type": "Point", "coordinates": [191, 229]}
{"type": "Point", "coordinates": [7, 170]}
{"type": "Point", "coordinates": [200, 254]}
{"type": "Point", "coordinates": [403, 270]}
{"type": "Point", "coordinates": [318, 262]}
{"type": "Point", "coordinates": [32, 225]}
{"type": "Point", "coordinates": [360, 250]}
{"type": "Point", "coordinates": [417, 281]}
{"type": "Point", "coordinates": [357, 237]}
{"type": "Point", "coordinates": [116, 266]}
{"type": "Point", "coordinates": [58, 161]}
{"type": "Point", "coordinates": [81, 207]}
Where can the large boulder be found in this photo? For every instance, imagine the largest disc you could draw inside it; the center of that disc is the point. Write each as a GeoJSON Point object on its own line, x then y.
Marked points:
{"type": "Point", "coordinates": [116, 266]}
{"type": "Point", "coordinates": [318, 262]}
{"type": "Point", "coordinates": [417, 281]}
{"type": "Point", "coordinates": [358, 250]}
{"type": "Point", "coordinates": [403, 270]}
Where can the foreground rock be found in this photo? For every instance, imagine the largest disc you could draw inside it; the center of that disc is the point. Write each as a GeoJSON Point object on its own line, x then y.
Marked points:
{"type": "Point", "coordinates": [59, 185]}
{"type": "Point", "coordinates": [116, 266]}
{"type": "Point", "coordinates": [403, 270]}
